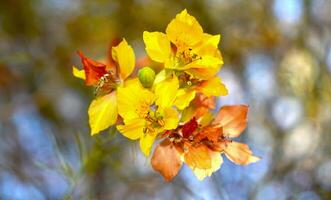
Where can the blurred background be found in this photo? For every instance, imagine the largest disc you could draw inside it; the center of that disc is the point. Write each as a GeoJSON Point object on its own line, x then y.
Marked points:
{"type": "Point", "coordinates": [277, 56]}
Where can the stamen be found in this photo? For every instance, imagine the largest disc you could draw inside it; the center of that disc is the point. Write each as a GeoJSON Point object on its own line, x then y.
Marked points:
{"type": "Point", "coordinates": [160, 122]}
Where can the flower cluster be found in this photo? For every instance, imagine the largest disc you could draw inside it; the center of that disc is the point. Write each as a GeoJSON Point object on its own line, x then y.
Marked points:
{"type": "Point", "coordinates": [173, 105]}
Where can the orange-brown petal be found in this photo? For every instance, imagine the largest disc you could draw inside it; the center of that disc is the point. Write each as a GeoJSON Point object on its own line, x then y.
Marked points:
{"type": "Point", "coordinates": [166, 160]}
{"type": "Point", "coordinates": [203, 105]}
{"type": "Point", "coordinates": [210, 133]}
{"type": "Point", "coordinates": [198, 157]}
{"type": "Point", "coordinates": [233, 120]}
{"type": "Point", "coordinates": [204, 101]}
{"type": "Point", "coordinates": [239, 153]}
{"type": "Point", "coordinates": [216, 162]}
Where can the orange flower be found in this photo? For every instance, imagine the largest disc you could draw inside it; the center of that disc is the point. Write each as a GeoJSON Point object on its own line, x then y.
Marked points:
{"type": "Point", "coordinates": [200, 146]}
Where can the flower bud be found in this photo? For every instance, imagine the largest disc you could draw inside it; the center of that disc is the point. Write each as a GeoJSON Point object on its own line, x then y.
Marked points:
{"type": "Point", "coordinates": [146, 76]}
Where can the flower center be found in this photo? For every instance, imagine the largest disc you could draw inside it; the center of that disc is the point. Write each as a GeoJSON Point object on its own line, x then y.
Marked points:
{"type": "Point", "coordinates": [186, 81]}
{"type": "Point", "coordinates": [153, 121]}
{"type": "Point", "coordinates": [187, 55]}
{"type": "Point", "coordinates": [143, 109]}
{"type": "Point", "coordinates": [183, 53]}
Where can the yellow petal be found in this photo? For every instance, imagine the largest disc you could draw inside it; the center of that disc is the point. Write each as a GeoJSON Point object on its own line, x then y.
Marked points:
{"type": "Point", "coordinates": [184, 29]}
{"type": "Point", "coordinates": [146, 142]}
{"type": "Point", "coordinates": [134, 100]}
{"type": "Point", "coordinates": [208, 45]}
{"type": "Point", "coordinates": [78, 73]}
{"type": "Point", "coordinates": [132, 129]}
{"type": "Point", "coordinates": [167, 160]}
{"type": "Point", "coordinates": [174, 63]}
{"type": "Point", "coordinates": [102, 112]}
{"type": "Point", "coordinates": [206, 61]}
{"type": "Point", "coordinates": [161, 76]}
{"type": "Point", "coordinates": [212, 87]}
{"type": "Point", "coordinates": [166, 91]}
{"type": "Point", "coordinates": [170, 118]}
{"type": "Point", "coordinates": [183, 98]}
{"type": "Point", "coordinates": [216, 162]}
{"type": "Point", "coordinates": [212, 40]}
{"type": "Point", "coordinates": [157, 46]}
{"type": "Point", "coordinates": [123, 54]}
{"type": "Point", "coordinates": [203, 73]}
{"type": "Point", "coordinates": [204, 68]}
{"type": "Point", "coordinates": [240, 153]}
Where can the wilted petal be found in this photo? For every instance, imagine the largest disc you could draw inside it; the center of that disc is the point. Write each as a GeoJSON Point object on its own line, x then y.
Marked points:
{"type": "Point", "coordinates": [239, 153]}
{"type": "Point", "coordinates": [166, 160]}
{"type": "Point", "coordinates": [203, 106]}
{"type": "Point", "coordinates": [216, 162]}
{"type": "Point", "coordinates": [189, 127]}
{"type": "Point", "coordinates": [198, 157]}
{"type": "Point", "coordinates": [233, 120]}
{"type": "Point", "coordinates": [209, 132]}
{"type": "Point", "coordinates": [204, 101]}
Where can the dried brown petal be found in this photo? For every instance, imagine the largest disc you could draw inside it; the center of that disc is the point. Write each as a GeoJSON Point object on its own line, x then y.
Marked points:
{"type": "Point", "coordinates": [166, 160]}
{"type": "Point", "coordinates": [239, 153]}
{"type": "Point", "coordinates": [233, 120]}
{"type": "Point", "coordinates": [189, 127]}
{"type": "Point", "coordinates": [198, 157]}
{"type": "Point", "coordinates": [210, 133]}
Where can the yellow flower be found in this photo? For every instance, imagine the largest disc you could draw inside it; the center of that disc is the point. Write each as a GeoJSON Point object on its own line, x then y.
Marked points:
{"type": "Point", "coordinates": [189, 52]}
{"type": "Point", "coordinates": [106, 78]}
{"type": "Point", "coordinates": [185, 47]}
{"type": "Point", "coordinates": [142, 118]}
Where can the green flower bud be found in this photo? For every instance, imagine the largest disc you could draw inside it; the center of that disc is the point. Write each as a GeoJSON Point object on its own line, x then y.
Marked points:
{"type": "Point", "coordinates": [146, 76]}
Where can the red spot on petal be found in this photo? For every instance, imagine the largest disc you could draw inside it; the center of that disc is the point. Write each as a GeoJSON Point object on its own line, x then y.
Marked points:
{"type": "Point", "coordinates": [189, 127]}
